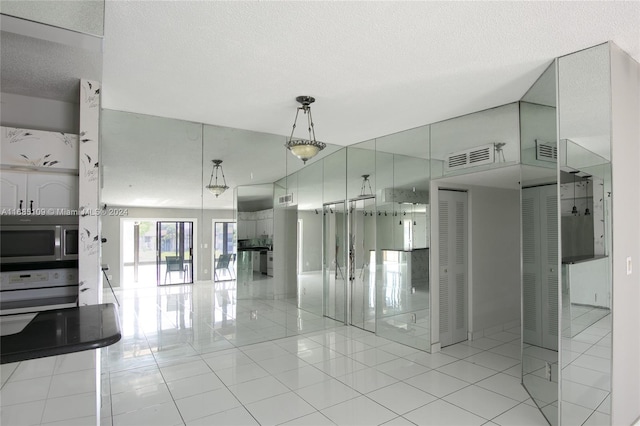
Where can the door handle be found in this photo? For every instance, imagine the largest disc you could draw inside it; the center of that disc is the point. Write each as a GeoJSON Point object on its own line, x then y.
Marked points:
{"type": "Point", "coordinates": [20, 205]}
{"type": "Point", "coordinates": [31, 206]}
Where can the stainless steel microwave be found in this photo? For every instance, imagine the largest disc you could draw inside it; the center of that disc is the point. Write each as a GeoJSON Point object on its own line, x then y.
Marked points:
{"type": "Point", "coordinates": [29, 239]}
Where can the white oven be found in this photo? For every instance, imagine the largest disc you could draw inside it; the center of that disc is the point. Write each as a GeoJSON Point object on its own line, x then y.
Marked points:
{"type": "Point", "coordinates": [38, 263]}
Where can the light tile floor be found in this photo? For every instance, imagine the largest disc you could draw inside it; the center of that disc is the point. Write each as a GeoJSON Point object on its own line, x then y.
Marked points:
{"type": "Point", "coordinates": [187, 359]}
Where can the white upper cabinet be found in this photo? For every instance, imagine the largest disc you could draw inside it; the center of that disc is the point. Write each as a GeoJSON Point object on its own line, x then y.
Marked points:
{"type": "Point", "coordinates": [38, 193]}
{"type": "Point", "coordinates": [39, 171]}
{"type": "Point", "coordinates": [246, 229]}
{"type": "Point", "coordinates": [51, 191]}
{"type": "Point", "coordinates": [38, 149]}
{"type": "Point", "coordinates": [13, 187]}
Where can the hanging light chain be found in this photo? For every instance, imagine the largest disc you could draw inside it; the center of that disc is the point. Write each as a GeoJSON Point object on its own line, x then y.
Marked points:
{"type": "Point", "coordinates": [224, 179]}
{"type": "Point", "coordinates": [312, 130]}
{"type": "Point", "coordinates": [294, 124]}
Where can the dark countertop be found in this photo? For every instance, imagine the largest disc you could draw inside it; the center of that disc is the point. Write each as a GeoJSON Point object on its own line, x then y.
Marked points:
{"type": "Point", "coordinates": [62, 331]}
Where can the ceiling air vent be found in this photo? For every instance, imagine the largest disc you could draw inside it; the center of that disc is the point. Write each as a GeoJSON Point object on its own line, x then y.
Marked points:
{"type": "Point", "coordinates": [546, 151]}
{"type": "Point", "coordinates": [470, 157]}
{"type": "Point", "coordinates": [285, 199]}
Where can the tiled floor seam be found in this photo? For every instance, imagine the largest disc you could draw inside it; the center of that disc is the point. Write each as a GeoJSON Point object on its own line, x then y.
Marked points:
{"type": "Point", "coordinates": [44, 408]}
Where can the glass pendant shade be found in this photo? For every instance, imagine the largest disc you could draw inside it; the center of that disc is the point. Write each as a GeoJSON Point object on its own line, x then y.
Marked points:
{"type": "Point", "coordinates": [304, 149]}
{"type": "Point", "coordinates": [214, 187]}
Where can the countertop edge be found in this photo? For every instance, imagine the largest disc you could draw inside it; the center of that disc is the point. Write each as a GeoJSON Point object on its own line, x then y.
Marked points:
{"type": "Point", "coordinates": [58, 350]}
{"type": "Point", "coordinates": [89, 327]}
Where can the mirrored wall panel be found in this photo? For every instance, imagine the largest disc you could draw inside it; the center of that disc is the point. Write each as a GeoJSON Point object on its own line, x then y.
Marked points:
{"type": "Point", "coordinates": [309, 238]}
{"type": "Point", "coordinates": [255, 229]}
{"type": "Point", "coordinates": [584, 95]}
{"type": "Point", "coordinates": [151, 185]}
{"type": "Point", "coordinates": [540, 240]}
{"type": "Point", "coordinates": [402, 198]}
{"type": "Point", "coordinates": [335, 238]}
{"type": "Point", "coordinates": [361, 240]}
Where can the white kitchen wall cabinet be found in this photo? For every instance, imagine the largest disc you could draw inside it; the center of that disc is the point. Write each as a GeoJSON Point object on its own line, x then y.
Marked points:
{"type": "Point", "coordinates": [264, 227]}
{"type": "Point", "coordinates": [38, 193]}
{"type": "Point", "coordinates": [246, 229]}
{"type": "Point", "coordinates": [38, 149]}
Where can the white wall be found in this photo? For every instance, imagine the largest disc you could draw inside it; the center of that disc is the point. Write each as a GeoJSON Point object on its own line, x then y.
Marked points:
{"type": "Point", "coordinates": [625, 399]}
{"type": "Point", "coordinates": [39, 114]}
{"type": "Point", "coordinates": [203, 235]}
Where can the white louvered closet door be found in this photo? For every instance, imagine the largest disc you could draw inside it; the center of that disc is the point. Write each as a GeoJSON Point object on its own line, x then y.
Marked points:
{"type": "Point", "coordinates": [531, 268]}
{"type": "Point", "coordinates": [549, 257]}
{"type": "Point", "coordinates": [452, 240]}
{"type": "Point", "coordinates": [540, 266]}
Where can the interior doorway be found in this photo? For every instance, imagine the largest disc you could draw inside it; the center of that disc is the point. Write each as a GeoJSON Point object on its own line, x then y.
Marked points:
{"type": "Point", "coordinates": [174, 252]}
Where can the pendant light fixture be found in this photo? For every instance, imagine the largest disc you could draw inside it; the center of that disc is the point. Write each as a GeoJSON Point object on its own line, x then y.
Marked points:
{"type": "Point", "coordinates": [363, 188]}
{"type": "Point", "coordinates": [587, 212]}
{"type": "Point", "coordinates": [305, 149]}
{"type": "Point", "coordinates": [214, 187]}
{"type": "Point", "coordinates": [574, 210]}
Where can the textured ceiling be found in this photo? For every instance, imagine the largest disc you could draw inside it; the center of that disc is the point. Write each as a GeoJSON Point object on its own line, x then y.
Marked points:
{"type": "Point", "coordinates": [374, 67]}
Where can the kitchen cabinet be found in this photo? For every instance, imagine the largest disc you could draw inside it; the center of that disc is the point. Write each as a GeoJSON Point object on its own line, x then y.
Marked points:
{"type": "Point", "coordinates": [38, 148]}
{"type": "Point", "coordinates": [264, 227]}
{"type": "Point", "coordinates": [246, 229]}
{"type": "Point", "coordinates": [38, 193]}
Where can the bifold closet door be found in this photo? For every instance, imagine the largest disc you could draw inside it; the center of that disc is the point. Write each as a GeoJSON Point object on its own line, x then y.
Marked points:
{"type": "Point", "coordinates": [550, 265]}
{"type": "Point", "coordinates": [531, 268]}
{"type": "Point", "coordinates": [453, 241]}
{"type": "Point", "coordinates": [540, 266]}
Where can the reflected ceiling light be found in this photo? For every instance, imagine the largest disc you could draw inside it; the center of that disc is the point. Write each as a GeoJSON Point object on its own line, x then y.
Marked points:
{"type": "Point", "coordinates": [363, 188]}
{"type": "Point", "coordinates": [214, 187]}
{"type": "Point", "coordinates": [574, 210]}
{"type": "Point", "coordinates": [587, 212]}
{"type": "Point", "coordinates": [305, 149]}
